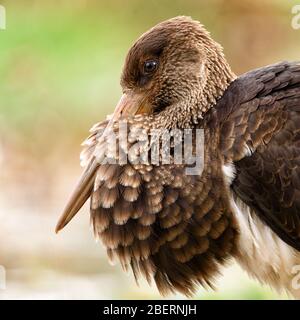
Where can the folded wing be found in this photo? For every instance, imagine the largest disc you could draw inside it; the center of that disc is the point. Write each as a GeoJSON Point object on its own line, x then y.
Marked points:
{"type": "Point", "coordinates": [260, 135]}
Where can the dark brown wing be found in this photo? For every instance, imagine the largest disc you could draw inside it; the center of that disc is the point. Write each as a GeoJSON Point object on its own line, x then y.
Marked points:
{"type": "Point", "coordinates": [260, 134]}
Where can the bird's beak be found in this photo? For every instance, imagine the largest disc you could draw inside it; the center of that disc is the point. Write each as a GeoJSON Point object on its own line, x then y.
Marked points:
{"type": "Point", "coordinates": [129, 104]}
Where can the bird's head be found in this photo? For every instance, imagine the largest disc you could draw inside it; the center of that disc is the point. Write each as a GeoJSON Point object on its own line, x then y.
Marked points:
{"type": "Point", "coordinates": [175, 71]}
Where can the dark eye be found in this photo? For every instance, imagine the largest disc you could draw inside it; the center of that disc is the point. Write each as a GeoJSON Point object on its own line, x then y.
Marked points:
{"type": "Point", "coordinates": [150, 66]}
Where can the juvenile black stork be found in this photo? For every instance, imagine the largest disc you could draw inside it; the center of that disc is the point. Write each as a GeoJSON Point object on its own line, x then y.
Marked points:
{"type": "Point", "coordinates": [179, 228]}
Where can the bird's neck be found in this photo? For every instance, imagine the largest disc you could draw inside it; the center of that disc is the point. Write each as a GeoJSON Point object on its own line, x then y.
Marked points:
{"type": "Point", "coordinates": [189, 112]}
{"type": "Point", "coordinates": [218, 78]}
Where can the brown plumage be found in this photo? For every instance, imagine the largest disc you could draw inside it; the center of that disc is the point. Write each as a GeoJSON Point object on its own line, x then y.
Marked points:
{"type": "Point", "coordinates": [180, 229]}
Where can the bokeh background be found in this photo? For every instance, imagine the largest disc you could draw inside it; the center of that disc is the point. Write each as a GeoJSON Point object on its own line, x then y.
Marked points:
{"type": "Point", "coordinates": [60, 63]}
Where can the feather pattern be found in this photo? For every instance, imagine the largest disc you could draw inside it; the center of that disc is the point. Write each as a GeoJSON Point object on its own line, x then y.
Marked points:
{"type": "Point", "coordinates": [158, 216]}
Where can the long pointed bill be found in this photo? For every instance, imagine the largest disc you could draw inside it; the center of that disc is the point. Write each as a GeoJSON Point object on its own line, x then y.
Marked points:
{"type": "Point", "coordinates": [129, 104]}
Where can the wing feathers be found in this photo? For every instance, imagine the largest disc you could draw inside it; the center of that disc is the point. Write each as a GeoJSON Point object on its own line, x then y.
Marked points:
{"type": "Point", "coordinates": [266, 121]}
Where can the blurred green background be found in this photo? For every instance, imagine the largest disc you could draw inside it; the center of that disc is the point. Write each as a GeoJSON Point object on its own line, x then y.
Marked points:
{"type": "Point", "coordinates": [60, 63]}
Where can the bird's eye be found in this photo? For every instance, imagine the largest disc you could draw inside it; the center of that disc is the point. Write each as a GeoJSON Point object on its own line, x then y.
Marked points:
{"type": "Point", "coordinates": [150, 66]}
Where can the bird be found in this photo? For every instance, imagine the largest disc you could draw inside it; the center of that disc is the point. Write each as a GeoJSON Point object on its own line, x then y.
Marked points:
{"type": "Point", "coordinates": [181, 230]}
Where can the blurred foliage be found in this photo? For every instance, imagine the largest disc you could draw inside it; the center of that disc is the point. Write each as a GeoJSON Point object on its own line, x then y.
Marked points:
{"type": "Point", "coordinates": [60, 63]}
